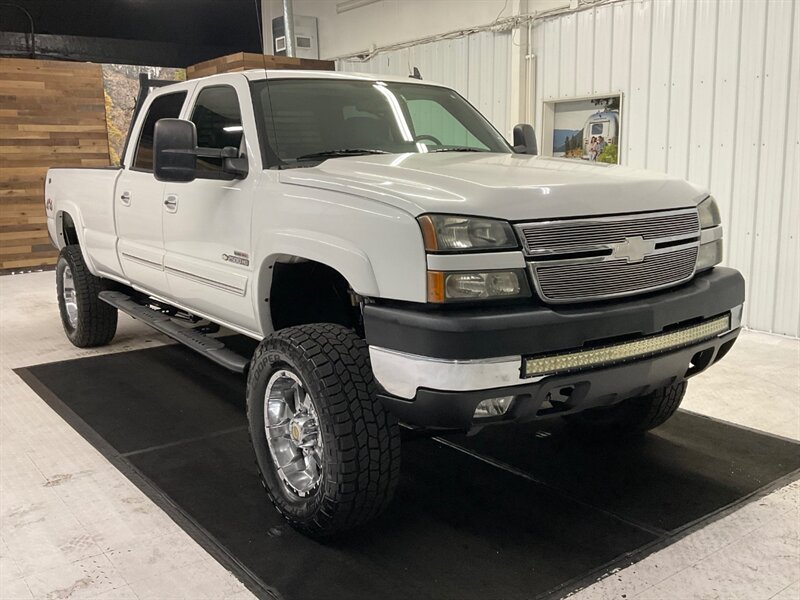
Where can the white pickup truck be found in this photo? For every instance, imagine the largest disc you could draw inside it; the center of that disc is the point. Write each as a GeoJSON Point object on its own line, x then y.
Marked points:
{"type": "Point", "coordinates": [398, 261]}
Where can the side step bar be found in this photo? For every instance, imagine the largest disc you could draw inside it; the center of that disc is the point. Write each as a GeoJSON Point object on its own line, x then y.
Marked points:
{"type": "Point", "coordinates": [207, 346]}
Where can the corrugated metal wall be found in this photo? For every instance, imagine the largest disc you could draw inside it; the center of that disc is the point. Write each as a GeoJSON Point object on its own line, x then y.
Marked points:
{"type": "Point", "coordinates": [478, 66]}
{"type": "Point", "coordinates": [710, 94]}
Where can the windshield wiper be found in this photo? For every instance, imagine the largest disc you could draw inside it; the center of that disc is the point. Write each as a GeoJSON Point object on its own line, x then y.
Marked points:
{"type": "Point", "coordinates": [459, 149]}
{"type": "Point", "coordinates": [340, 152]}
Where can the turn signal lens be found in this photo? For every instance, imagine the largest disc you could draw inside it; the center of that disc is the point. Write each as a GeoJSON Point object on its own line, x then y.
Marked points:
{"type": "Point", "coordinates": [436, 286]}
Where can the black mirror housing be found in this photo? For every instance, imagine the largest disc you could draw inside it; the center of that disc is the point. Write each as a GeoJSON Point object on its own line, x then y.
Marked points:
{"type": "Point", "coordinates": [174, 150]}
{"type": "Point", "coordinates": [525, 139]}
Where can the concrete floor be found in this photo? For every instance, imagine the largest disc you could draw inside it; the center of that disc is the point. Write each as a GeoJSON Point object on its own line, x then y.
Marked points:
{"type": "Point", "coordinates": [71, 526]}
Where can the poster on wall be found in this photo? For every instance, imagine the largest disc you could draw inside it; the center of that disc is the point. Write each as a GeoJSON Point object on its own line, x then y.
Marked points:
{"type": "Point", "coordinates": [121, 87]}
{"type": "Point", "coordinates": [587, 129]}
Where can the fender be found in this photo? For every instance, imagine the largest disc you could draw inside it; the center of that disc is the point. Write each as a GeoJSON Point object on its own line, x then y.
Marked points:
{"type": "Point", "coordinates": [335, 252]}
{"type": "Point", "coordinates": [77, 219]}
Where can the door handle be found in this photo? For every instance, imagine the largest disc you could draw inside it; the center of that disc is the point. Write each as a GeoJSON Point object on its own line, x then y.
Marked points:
{"type": "Point", "coordinates": [125, 198]}
{"type": "Point", "coordinates": [171, 203]}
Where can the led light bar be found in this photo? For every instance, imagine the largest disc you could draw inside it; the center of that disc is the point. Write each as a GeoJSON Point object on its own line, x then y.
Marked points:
{"type": "Point", "coordinates": [617, 353]}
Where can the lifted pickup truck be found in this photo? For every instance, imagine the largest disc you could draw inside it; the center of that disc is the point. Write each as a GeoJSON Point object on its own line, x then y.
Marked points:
{"type": "Point", "coordinates": [398, 261]}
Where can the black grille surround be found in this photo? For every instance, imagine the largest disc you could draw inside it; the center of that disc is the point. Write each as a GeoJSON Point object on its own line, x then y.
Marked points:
{"type": "Point", "coordinates": [578, 260]}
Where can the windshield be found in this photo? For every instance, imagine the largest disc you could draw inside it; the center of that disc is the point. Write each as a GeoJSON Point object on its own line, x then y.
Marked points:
{"type": "Point", "coordinates": [305, 121]}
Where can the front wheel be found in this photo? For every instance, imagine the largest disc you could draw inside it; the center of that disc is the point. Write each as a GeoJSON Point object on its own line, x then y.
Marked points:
{"type": "Point", "coordinates": [632, 416]}
{"type": "Point", "coordinates": [327, 451]}
{"type": "Point", "coordinates": [87, 320]}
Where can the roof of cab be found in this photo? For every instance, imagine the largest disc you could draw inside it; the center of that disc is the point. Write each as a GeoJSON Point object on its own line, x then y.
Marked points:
{"type": "Point", "coordinates": [257, 74]}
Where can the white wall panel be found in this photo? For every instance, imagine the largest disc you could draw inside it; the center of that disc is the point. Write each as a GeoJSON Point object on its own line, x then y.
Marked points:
{"type": "Point", "coordinates": [771, 166]}
{"type": "Point", "coordinates": [711, 93]}
{"type": "Point", "coordinates": [602, 52]}
{"type": "Point", "coordinates": [478, 66]}
{"type": "Point", "coordinates": [787, 296]}
{"type": "Point", "coordinates": [701, 128]}
{"type": "Point", "coordinates": [680, 87]}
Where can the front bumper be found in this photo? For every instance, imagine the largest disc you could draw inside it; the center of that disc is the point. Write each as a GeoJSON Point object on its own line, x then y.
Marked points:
{"type": "Point", "coordinates": [435, 368]}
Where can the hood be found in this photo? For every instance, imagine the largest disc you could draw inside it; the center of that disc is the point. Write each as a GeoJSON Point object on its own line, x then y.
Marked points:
{"type": "Point", "coordinates": [507, 186]}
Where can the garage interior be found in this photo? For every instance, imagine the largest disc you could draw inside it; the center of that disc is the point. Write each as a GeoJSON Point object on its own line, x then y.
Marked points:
{"type": "Point", "coordinates": [126, 471]}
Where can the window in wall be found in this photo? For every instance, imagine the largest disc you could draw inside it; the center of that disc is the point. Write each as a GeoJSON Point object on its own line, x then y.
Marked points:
{"type": "Point", "coordinates": [166, 106]}
{"type": "Point", "coordinates": [219, 124]}
{"type": "Point", "coordinates": [434, 123]}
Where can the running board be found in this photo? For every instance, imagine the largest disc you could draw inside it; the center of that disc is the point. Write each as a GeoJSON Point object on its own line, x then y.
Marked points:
{"type": "Point", "coordinates": [207, 346]}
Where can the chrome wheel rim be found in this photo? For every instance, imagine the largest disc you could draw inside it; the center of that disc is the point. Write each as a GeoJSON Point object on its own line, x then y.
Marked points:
{"type": "Point", "coordinates": [70, 297]}
{"type": "Point", "coordinates": [293, 433]}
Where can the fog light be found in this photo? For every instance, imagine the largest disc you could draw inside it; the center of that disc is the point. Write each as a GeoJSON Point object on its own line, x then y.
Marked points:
{"type": "Point", "coordinates": [493, 407]}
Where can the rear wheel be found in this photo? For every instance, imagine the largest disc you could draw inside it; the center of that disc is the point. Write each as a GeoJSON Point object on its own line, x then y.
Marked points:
{"type": "Point", "coordinates": [327, 451]}
{"type": "Point", "coordinates": [87, 320]}
{"type": "Point", "coordinates": [634, 415]}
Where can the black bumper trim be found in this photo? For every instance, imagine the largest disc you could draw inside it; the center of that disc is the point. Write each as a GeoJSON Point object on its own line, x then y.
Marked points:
{"type": "Point", "coordinates": [473, 333]}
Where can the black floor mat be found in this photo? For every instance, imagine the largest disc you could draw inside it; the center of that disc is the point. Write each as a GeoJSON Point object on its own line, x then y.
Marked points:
{"type": "Point", "coordinates": [514, 512]}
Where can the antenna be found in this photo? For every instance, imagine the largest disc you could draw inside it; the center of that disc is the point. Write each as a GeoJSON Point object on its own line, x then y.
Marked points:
{"type": "Point", "coordinates": [415, 74]}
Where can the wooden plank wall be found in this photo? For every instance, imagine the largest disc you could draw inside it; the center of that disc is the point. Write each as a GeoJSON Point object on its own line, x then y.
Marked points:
{"type": "Point", "coordinates": [52, 114]}
{"type": "Point", "coordinates": [242, 61]}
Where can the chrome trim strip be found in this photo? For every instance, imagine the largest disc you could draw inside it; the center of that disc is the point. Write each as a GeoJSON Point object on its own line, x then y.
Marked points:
{"type": "Point", "coordinates": [401, 374]}
{"type": "Point", "coordinates": [143, 261]}
{"type": "Point", "coordinates": [604, 247]}
{"type": "Point", "coordinates": [736, 317]}
{"type": "Point", "coordinates": [487, 261]}
{"type": "Point", "coordinates": [712, 234]}
{"type": "Point", "coordinates": [610, 257]}
{"type": "Point", "coordinates": [211, 282]}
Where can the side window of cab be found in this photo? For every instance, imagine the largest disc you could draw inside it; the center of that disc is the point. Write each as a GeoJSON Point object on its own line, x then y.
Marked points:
{"type": "Point", "coordinates": [165, 106]}
{"type": "Point", "coordinates": [218, 120]}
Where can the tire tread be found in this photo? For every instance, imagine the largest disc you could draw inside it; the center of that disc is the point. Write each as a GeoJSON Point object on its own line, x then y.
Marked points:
{"type": "Point", "coordinates": [366, 435]}
{"type": "Point", "coordinates": [97, 321]}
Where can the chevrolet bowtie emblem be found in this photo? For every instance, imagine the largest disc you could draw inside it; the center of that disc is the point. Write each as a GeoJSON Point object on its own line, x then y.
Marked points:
{"type": "Point", "coordinates": [633, 249]}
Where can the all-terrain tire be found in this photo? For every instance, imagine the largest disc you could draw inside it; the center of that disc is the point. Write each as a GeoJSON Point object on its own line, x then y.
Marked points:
{"type": "Point", "coordinates": [93, 322]}
{"type": "Point", "coordinates": [634, 415]}
{"type": "Point", "coordinates": [361, 440]}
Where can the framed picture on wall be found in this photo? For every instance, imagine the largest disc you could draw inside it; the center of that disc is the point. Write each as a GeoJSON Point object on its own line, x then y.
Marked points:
{"type": "Point", "coordinates": [583, 128]}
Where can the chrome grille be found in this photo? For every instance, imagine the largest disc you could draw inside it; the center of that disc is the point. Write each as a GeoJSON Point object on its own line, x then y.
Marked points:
{"type": "Point", "coordinates": [576, 281]}
{"type": "Point", "coordinates": [583, 234]}
{"type": "Point", "coordinates": [606, 257]}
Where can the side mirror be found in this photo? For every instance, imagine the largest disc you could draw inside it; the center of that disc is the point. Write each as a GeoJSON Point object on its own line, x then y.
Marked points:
{"type": "Point", "coordinates": [174, 150]}
{"type": "Point", "coordinates": [232, 163]}
{"type": "Point", "coordinates": [525, 139]}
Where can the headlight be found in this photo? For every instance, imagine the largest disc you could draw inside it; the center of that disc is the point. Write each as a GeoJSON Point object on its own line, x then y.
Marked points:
{"type": "Point", "coordinates": [447, 233]}
{"type": "Point", "coordinates": [710, 252]}
{"type": "Point", "coordinates": [708, 212]}
{"type": "Point", "coordinates": [468, 285]}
